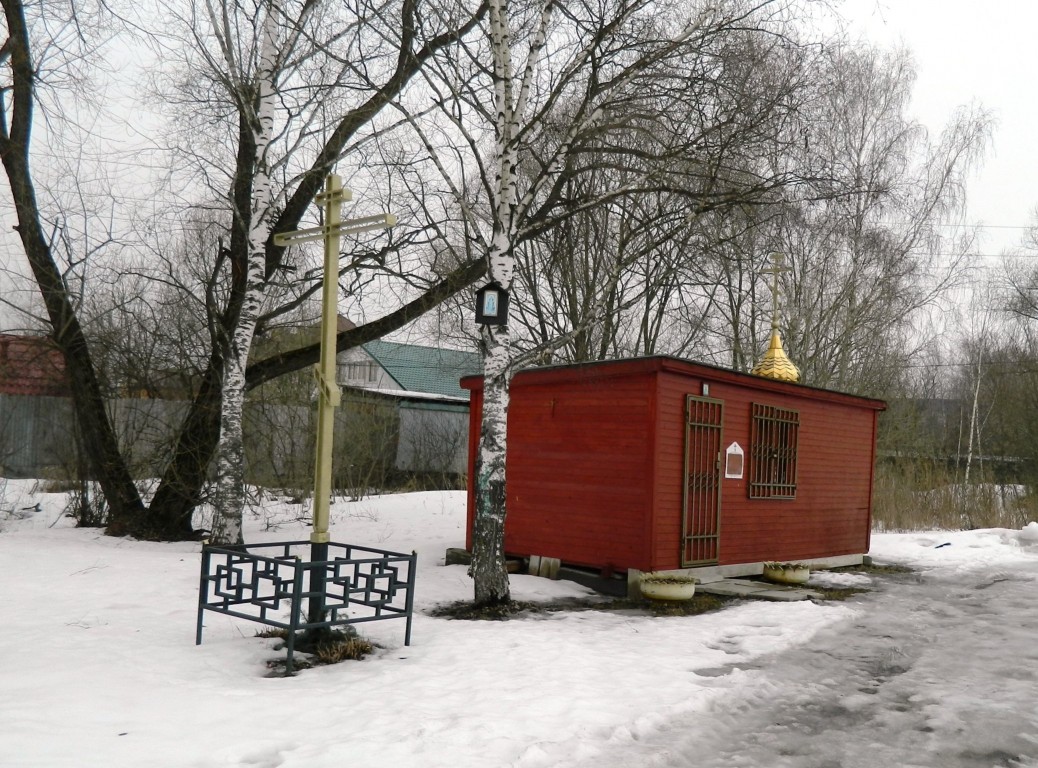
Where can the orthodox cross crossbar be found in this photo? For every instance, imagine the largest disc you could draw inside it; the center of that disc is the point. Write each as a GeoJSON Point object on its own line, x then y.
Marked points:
{"type": "Point", "coordinates": [330, 232]}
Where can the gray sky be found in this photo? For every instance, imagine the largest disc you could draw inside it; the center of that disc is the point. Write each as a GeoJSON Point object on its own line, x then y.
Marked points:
{"type": "Point", "coordinates": [966, 52]}
{"type": "Point", "coordinates": [973, 52]}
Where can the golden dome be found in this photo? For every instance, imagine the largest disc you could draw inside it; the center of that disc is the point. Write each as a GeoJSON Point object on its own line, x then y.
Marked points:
{"type": "Point", "coordinates": [775, 364]}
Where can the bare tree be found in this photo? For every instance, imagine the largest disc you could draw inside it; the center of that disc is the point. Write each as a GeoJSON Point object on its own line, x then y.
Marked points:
{"type": "Point", "coordinates": [21, 76]}
{"type": "Point", "coordinates": [1019, 280]}
{"type": "Point", "coordinates": [862, 235]}
{"type": "Point", "coordinates": [406, 45]}
{"type": "Point", "coordinates": [618, 264]}
{"type": "Point", "coordinates": [866, 258]}
{"type": "Point", "coordinates": [252, 77]}
{"type": "Point", "coordinates": [678, 273]}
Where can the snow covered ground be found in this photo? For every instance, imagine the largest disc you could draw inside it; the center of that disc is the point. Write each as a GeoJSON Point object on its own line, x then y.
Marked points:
{"type": "Point", "coordinates": [933, 668]}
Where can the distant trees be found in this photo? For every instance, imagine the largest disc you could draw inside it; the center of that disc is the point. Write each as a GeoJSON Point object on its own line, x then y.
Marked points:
{"type": "Point", "coordinates": [1006, 383]}
{"type": "Point", "coordinates": [863, 240]}
{"type": "Point", "coordinates": [957, 441]}
{"type": "Point", "coordinates": [857, 198]}
{"type": "Point", "coordinates": [871, 257]}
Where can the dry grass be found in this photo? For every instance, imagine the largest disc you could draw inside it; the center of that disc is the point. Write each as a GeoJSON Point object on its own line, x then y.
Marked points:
{"type": "Point", "coordinates": [272, 632]}
{"type": "Point", "coordinates": [326, 647]}
{"type": "Point", "coordinates": [342, 649]}
{"type": "Point", "coordinates": [925, 497]}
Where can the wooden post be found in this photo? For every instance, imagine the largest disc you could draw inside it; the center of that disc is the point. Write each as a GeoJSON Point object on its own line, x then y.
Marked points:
{"type": "Point", "coordinates": [329, 395]}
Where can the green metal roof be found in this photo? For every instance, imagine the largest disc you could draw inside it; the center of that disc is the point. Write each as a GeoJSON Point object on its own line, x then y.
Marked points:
{"type": "Point", "coordinates": [425, 369]}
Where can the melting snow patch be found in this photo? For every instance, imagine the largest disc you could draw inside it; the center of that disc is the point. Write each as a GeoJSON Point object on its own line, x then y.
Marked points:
{"type": "Point", "coordinates": [829, 580]}
{"type": "Point", "coordinates": [1028, 535]}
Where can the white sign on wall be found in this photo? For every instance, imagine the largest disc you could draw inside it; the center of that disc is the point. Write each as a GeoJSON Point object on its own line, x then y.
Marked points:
{"type": "Point", "coordinates": [733, 461]}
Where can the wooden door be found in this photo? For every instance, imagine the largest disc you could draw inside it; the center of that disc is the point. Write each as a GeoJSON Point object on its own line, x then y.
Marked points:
{"type": "Point", "coordinates": [701, 528]}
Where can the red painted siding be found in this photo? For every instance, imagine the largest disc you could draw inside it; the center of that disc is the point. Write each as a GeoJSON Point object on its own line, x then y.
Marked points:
{"type": "Point", "coordinates": [475, 385]}
{"type": "Point", "coordinates": [596, 466]}
{"type": "Point", "coordinates": [830, 513]}
{"type": "Point", "coordinates": [579, 464]}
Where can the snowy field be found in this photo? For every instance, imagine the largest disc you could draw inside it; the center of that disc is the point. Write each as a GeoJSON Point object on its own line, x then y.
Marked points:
{"type": "Point", "coordinates": [934, 668]}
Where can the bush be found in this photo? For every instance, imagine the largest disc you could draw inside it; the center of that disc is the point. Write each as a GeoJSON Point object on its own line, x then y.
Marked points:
{"type": "Point", "coordinates": [87, 505]}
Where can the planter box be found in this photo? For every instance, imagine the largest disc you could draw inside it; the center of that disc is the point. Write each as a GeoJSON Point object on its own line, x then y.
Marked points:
{"type": "Point", "coordinates": [662, 587]}
{"type": "Point", "coordinates": [787, 573]}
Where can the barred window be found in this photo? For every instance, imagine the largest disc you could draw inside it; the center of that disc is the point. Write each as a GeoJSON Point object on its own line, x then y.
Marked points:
{"type": "Point", "coordinates": [773, 452]}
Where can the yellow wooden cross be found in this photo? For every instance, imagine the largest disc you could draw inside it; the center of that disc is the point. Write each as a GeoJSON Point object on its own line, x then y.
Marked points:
{"type": "Point", "coordinates": [329, 396]}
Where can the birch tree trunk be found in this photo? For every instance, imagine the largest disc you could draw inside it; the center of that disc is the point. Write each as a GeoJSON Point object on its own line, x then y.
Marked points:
{"type": "Point", "coordinates": [230, 458]}
{"type": "Point", "coordinates": [974, 426]}
{"type": "Point", "coordinates": [220, 42]}
{"type": "Point", "coordinates": [488, 569]}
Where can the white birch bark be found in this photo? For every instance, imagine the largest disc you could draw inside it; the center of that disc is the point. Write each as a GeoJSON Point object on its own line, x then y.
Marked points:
{"type": "Point", "coordinates": [488, 570]}
{"type": "Point", "coordinates": [229, 500]}
{"type": "Point", "coordinates": [515, 118]}
{"type": "Point", "coordinates": [974, 426]}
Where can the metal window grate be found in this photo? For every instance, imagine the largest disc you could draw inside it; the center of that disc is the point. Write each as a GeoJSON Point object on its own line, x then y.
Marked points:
{"type": "Point", "coordinates": [773, 452]}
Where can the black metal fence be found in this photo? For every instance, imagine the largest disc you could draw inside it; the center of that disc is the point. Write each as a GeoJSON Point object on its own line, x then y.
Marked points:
{"type": "Point", "coordinates": [269, 584]}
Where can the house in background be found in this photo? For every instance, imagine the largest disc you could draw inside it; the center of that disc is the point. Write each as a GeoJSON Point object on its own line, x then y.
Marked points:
{"type": "Point", "coordinates": [403, 411]}
{"type": "Point", "coordinates": [32, 365]}
{"type": "Point", "coordinates": [423, 383]}
{"type": "Point", "coordinates": [389, 367]}
{"type": "Point", "coordinates": [36, 417]}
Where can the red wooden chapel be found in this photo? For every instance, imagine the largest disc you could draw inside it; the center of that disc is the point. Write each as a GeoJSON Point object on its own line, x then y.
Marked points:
{"type": "Point", "coordinates": [657, 463]}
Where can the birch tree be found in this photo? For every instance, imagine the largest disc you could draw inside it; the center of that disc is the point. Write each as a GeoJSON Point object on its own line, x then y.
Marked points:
{"type": "Point", "coordinates": [858, 228]}
{"type": "Point", "coordinates": [311, 67]}
{"type": "Point", "coordinates": [864, 264]}
{"type": "Point", "coordinates": [860, 234]}
{"type": "Point", "coordinates": [553, 92]}
{"type": "Point", "coordinates": [255, 95]}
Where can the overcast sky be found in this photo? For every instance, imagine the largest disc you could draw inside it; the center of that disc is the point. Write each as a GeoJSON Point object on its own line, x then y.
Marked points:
{"type": "Point", "coordinates": [966, 52]}
{"type": "Point", "coordinates": [973, 52]}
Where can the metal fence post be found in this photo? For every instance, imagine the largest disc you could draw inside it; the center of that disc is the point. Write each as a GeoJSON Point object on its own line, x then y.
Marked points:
{"type": "Point", "coordinates": [409, 603]}
{"type": "Point", "coordinates": [203, 593]}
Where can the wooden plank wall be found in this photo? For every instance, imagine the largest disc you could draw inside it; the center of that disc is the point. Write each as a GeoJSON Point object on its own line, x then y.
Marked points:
{"type": "Point", "coordinates": [580, 470]}
{"type": "Point", "coordinates": [595, 468]}
{"type": "Point", "coordinates": [830, 514]}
